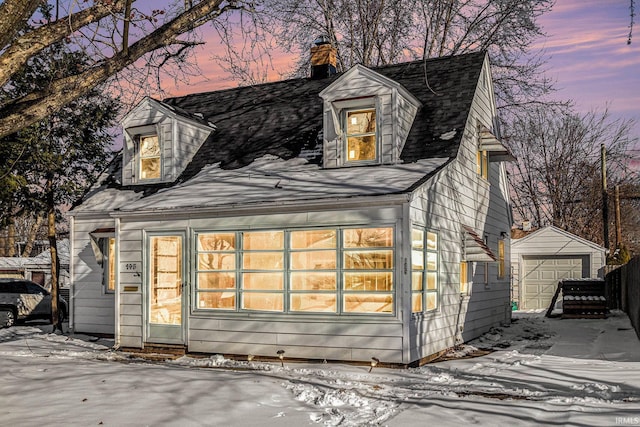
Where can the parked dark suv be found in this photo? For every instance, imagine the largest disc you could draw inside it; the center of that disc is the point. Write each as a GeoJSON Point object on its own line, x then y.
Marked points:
{"type": "Point", "coordinates": [25, 300]}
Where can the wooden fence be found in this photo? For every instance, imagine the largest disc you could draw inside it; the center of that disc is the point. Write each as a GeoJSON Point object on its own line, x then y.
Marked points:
{"type": "Point", "coordinates": [623, 290]}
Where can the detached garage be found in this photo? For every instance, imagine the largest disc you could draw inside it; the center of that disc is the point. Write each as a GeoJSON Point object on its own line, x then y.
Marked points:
{"type": "Point", "coordinates": [546, 256]}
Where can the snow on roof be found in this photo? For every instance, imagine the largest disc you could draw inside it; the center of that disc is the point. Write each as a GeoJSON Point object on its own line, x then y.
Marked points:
{"type": "Point", "coordinates": [271, 179]}
{"type": "Point", "coordinates": [108, 199]}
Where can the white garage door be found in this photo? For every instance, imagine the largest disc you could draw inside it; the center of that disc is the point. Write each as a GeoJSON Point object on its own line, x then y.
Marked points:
{"type": "Point", "coordinates": [542, 274]}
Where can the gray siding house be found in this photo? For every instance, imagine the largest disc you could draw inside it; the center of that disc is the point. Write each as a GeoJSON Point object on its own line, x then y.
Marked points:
{"type": "Point", "coordinates": [339, 217]}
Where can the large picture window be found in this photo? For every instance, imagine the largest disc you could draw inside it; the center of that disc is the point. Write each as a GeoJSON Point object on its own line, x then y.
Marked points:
{"type": "Point", "coordinates": [424, 270]}
{"type": "Point", "coordinates": [348, 270]}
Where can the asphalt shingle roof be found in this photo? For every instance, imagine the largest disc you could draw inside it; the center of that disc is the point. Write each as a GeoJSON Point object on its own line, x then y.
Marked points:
{"type": "Point", "coordinates": [283, 118]}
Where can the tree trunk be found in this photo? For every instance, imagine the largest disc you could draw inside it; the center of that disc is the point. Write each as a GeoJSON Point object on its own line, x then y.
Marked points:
{"type": "Point", "coordinates": [53, 247]}
{"type": "Point", "coordinates": [31, 238]}
{"type": "Point", "coordinates": [11, 237]}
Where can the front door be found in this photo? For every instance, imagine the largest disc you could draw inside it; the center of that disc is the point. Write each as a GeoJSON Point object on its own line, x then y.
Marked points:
{"type": "Point", "coordinates": [166, 290]}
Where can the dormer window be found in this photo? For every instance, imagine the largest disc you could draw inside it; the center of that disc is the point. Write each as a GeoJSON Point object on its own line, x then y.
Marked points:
{"type": "Point", "coordinates": [361, 135]}
{"type": "Point", "coordinates": [149, 157]}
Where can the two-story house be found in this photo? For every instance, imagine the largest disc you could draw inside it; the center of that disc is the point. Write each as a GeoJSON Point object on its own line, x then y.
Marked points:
{"type": "Point", "coordinates": [340, 217]}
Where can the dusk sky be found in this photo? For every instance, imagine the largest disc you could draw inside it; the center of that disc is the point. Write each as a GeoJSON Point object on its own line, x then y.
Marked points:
{"type": "Point", "coordinates": [589, 59]}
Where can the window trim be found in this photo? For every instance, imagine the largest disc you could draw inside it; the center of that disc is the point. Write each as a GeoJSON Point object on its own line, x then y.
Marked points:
{"type": "Point", "coordinates": [425, 291]}
{"type": "Point", "coordinates": [287, 290]}
{"type": "Point", "coordinates": [465, 288]}
{"type": "Point", "coordinates": [501, 258]}
{"type": "Point", "coordinates": [138, 157]}
{"type": "Point", "coordinates": [108, 258]}
{"type": "Point", "coordinates": [368, 105]}
{"type": "Point", "coordinates": [482, 163]}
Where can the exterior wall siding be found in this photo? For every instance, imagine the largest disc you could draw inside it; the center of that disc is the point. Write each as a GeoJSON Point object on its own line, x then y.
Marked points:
{"type": "Point", "coordinates": [458, 196]}
{"type": "Point", "coordinates": [307, 335]}
{"type": "Point", "coordinates": [93, 309]}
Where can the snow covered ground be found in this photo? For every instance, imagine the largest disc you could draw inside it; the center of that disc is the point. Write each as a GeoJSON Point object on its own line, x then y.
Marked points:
{"type": "Point", "coordinates": [544, 371]}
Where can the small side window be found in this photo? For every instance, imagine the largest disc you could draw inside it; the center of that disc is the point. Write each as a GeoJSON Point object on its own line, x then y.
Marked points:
{"type": "Point", "coordinates": [149, 157]}
{"type": "Point", "coordinates": [109, 264]}
{"type": "Point", "coordinates": [360, 133]}
{"type": "Point", "coordinates": [464, 278]}
{"type": "Point", "coordinates": [483, 163]}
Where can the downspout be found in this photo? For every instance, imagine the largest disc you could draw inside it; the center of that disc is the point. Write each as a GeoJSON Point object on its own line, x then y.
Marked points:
{"type": "Point", "coordinates": [72, 283]}
{"type": "Point", "coordinates": [117, 285]}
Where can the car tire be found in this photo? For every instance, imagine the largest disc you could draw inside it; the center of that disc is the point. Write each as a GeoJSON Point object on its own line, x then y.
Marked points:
{"type": "Point", "coordinates": [9, 317]}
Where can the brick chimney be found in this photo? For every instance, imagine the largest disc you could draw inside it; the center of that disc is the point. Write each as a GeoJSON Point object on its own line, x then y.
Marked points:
{"type": "Point", "coordinates": [323, 58]}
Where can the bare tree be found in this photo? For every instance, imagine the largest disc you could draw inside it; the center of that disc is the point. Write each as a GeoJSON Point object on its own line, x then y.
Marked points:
{"type": "Point", "coordinates": [380, 32]}
{"type": "Point", "coordinates": [557, 179]}
{"type": "Point", "coordinates": [115, 33]}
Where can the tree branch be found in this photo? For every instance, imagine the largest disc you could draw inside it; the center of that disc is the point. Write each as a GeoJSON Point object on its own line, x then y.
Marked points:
{"type": "Point", "coordinates": [35, 107]}
{"type": "Point", "coordinates": [26, 46]}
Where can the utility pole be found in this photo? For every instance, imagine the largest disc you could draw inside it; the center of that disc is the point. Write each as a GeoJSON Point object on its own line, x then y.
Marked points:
{"type": "Point", "coordinates": [605, 200]}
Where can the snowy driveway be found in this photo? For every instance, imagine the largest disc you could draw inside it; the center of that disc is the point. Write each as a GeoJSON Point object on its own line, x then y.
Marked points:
{"type": "Point", "coordinates": [546, 371]}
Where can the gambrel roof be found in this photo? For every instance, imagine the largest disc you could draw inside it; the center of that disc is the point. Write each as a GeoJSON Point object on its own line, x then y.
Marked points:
{"type": "Point", "coordinates": [284, 120]}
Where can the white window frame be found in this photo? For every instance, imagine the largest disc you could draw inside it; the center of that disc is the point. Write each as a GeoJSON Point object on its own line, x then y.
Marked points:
{"type": "Point", "coordinates": [376, 134]}
{"type": "Point", "coordinates": [287, 290]}
{"type": "Point", "coordinates": [425, 292]}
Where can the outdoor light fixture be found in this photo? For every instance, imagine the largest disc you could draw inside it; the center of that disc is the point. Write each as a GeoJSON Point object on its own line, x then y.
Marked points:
{"type": "Point", "coordinates": [281, 357]}
{"type": "Point", "coordinates": [374, 363]}
{"type": "Point", "coordinates": [249, 357]}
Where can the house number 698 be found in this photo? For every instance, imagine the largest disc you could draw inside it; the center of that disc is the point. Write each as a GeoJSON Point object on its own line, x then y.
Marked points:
{"type": "Point", "coordinates": [131, 266]}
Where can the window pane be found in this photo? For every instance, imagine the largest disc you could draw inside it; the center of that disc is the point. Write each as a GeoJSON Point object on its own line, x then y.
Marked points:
{"type": "Point", "coordinates": [313, 239]}
{"type": "Point", "coordinates": [219, 300]}
{"type": "Point", "coordinates": [312, 281]}
{"type": "Point", "coordinates": [416, 280]}
{"type": "Point", "coordinates": [216, 280]}
{"type": "Point", "coordinates": [166, 280]}
{"type": "Point", "coordinates": [368, 237]}
{"type": "Point", "coordinates": [417, 239]}
{"type": "Point", "coordinates": [217, 242]}
{"type": "Point", "coordinates": [368, 281]}
{"type": "Point", "coordinates": [417, 260]}
{"type": "Point", "coordinates": [432, 261]}
{"type": "Point", "coordinates": [361, 147]}
{"type": "Point", "coordinates": [316, 260]}
{"type": "Point", "coordinates": [262, 301]}
{"type": "Point", "coordinates": [263, 260]}
{"type": "Point", "coordinates": [432, 241]}
{"type": "Point", "coordinates": [150, 168]}
{"type": "Point", "coordinates": [111, 279]}
{"type": "Point", "coordinates": [149, 146]}
{"type": "Point", "coordinates": [359, 122]}
{"type": "Point", "coordinates": [416, 302]}
{"type": "Point", "coordinates": [261, 240]}
{"type": "Point", "coordinates": [432, 280]}
{"type": "Point", "coordinates": [368, 260]}
{"type": "Point", "coordinates": [217, 261]}
{"type": "Point", "coordinates": [263, 281]}
{"type": "Point", "coordinates": [432, 300]}
{"type": "Point", "coordinates": [314, 302]}
{"type": "Point", "coordinates": [368, 303]}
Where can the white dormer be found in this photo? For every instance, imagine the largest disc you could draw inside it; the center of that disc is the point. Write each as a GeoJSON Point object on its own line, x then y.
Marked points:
{"type": "Point", "coordinates": [367, 118]}
{"type": "Point", "coordinates": [159, 142]}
